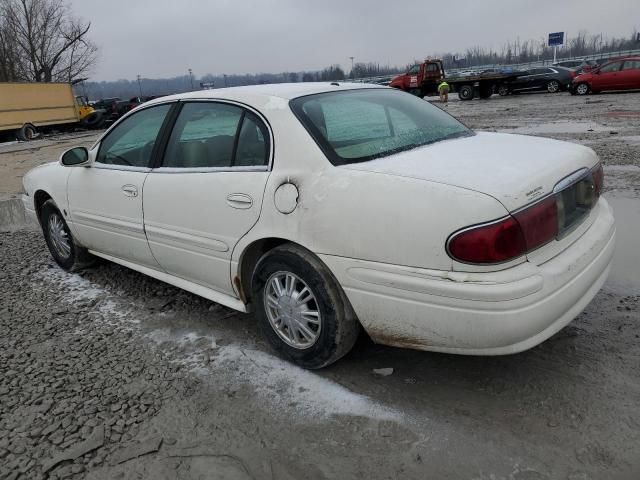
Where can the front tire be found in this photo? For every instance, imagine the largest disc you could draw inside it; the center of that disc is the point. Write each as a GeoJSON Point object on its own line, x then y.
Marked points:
{"type": "Point", "coordinates": [582, 89]}
{"type": "Point", "coordinates": [64, 250]}
{"type": "Point", "coordinates": [301, 309]}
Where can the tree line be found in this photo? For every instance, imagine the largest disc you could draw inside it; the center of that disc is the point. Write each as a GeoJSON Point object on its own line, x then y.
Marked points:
{"type": "Point", "coordinates": [42, 41]}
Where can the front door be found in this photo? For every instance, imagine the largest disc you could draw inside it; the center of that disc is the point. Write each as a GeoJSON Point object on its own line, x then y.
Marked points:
{"type": "Point", "coordinates": [608, 77]}
{"type": "Point", "coordinates": [207, 194]}
{"type": "Point", "coordinates": [105, 200]}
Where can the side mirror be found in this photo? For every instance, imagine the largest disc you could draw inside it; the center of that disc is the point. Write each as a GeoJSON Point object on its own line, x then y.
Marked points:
{"type": "Point", "coordinates": [75, 157]}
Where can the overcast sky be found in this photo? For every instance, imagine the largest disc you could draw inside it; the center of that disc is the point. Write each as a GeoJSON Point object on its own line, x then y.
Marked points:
{"type": "Point", "coordinates": [159, 38]}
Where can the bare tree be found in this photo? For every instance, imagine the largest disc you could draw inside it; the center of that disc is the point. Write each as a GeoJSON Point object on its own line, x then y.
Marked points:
{"type": "Point", "coordinates": [50, 44]}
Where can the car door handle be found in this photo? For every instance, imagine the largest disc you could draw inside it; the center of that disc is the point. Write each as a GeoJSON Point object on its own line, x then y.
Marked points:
{"type": "Point", "coordinates": [130, 190]}
{"type": "Point", "coordinates": [239, 200]}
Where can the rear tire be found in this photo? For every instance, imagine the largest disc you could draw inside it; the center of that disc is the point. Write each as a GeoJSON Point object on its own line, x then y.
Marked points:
{"type": "Point", "coordinates": [465, 92]}
{"type": "Point", "coordinates": [553, 86]}
{"type": "Point", "coordinates": [27, 133]}
{"type": "Point", "coordinates": [62, 246]}
{"type": "Point", "coordinates": [282, 277]}
{"type": "Point", "coordinates": [94, 120]}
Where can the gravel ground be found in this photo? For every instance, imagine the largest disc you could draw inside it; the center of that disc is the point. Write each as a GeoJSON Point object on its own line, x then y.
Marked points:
{"type": "Point", "coordinates": [110, 374]}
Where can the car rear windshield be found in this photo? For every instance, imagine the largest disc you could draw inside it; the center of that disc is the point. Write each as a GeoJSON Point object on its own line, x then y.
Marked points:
{"type": "Point", "coordinates": [360, 125]}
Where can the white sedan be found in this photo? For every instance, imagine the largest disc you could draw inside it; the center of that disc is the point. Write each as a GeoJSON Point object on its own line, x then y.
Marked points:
{"type": "Point", "coordinates": [325, 208]}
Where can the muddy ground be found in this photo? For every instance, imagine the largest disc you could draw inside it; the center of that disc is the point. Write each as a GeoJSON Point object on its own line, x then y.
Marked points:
{"type": "Point", "coordinates": [131, 378]}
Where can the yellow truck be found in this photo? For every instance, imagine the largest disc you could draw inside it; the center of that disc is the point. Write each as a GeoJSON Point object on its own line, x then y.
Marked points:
{"type": "Point", "coordinates": [26, 107]}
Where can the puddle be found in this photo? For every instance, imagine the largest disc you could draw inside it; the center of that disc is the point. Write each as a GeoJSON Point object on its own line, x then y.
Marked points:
{"type": "Point", "coordinates": [559, 127]}
{"type": "Point", "coordinates": [625, 271]}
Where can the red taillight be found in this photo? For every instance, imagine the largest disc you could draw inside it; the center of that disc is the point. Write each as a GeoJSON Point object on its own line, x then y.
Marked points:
{"type": "Point", "coordinates": [539, 222]}
{"type": "Point", "coordinates": [598, 178]}
{"type": "Point", "coordinates": [493, 243]}
{"type": "Point", "coordinates": [509, 238]}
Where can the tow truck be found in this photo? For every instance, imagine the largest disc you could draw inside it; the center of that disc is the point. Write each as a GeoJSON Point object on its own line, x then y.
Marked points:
{"type": "Point", "coordinates": [422, 79]}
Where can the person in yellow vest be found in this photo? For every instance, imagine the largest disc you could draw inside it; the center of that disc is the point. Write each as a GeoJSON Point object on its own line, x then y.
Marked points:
{"type": "Point", "coordinates": [443, 90]}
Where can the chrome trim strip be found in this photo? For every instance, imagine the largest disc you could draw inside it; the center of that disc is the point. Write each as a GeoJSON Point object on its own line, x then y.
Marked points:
{"type": "Point", "coordinates": [127, 168]}
{"type": "Point", "coordinates": [210, 169]}
{"type": "Point", "coordinates": [571, 179]}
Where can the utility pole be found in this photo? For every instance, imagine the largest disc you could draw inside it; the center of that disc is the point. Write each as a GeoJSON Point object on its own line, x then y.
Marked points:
{"type": "Point", "coordinates": [140, 87]}
{"type": "Point", "coordinates": [225, 79]}
{"type": "Point", "coordinates": [351, 66]}
{"type": "Point", "coordinates": [191, 78]}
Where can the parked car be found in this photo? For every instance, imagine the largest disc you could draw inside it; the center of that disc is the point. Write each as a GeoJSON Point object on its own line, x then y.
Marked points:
{"type": "Point", "coordinates": [551, 79]}
{"type": "Point", "coordinates": [575, 64]}
{"type": "Point", "coordinates": [622, 74]}
{"type": "Point", "coordinates": [110, 107]}
{"type": "Point", "coordinates": [325, 207]}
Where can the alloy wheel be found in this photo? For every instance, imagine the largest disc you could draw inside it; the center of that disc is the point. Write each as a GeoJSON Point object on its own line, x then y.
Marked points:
{"type": "Point", "coordinates": [582, 89]}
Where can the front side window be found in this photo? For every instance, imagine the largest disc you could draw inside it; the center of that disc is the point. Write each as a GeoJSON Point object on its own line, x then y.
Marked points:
{"type": "Point", "coordinates": [612, 67]}
{"type": "Point", "coordinates": [360, 125]}
{"type": "Point", "coordinates": [216, 135]}
{"type": "Point", "coordinates": [131, 142]}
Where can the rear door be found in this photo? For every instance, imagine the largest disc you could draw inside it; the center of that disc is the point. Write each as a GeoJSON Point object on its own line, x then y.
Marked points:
{"type": "Point", "coordinates": [522, 81]}
{"type": "Point", "coordinates": [207, 193]}
{"type": "Point", "coordinates": [608, 77]}
{"type": "Point", "coordinates": [630, 74]}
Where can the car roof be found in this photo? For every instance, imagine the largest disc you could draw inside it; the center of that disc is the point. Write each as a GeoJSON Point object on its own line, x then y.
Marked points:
{"type": "Point", "coordinates": [286, 91]}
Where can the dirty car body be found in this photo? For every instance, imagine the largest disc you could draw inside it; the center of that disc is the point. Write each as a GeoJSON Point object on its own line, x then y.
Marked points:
{"type": "Point", "coordinates": [324, 207]}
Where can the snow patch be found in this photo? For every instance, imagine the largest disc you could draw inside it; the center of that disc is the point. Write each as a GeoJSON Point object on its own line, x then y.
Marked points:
{"type": "Point", "coordinates": [79, 290]}
{"type": "Point", "coordinates": [286, 384]}
{"type": "Point", "coordinates": [182, 338]}
{"type": "Point", "coordinates": [76, 288]}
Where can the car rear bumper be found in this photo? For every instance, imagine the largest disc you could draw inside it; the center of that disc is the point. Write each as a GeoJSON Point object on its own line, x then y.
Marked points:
{"type": "Point", "coordinates": [479, 313]}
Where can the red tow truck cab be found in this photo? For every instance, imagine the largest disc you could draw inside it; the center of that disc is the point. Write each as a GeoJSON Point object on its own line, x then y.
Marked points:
{"type": "Point", "coordinates": [428, 72]}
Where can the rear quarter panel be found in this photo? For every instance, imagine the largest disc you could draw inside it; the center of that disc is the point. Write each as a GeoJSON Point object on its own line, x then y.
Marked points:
{"type": "Point", "coordinates": [359, 214]}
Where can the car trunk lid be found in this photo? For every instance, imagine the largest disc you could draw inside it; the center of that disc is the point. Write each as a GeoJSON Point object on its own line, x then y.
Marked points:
{"type": "Point", "coordinates": [514, 169]}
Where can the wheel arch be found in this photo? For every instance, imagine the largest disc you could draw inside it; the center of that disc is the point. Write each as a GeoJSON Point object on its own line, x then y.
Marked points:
{"type": "Point", "coordinates": [250, 256]}
{"type": "Point", "coordinates": [39, 198]}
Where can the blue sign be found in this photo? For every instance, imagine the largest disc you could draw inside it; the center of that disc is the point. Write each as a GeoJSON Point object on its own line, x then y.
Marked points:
{"type": "Point", "coordinates": [556, 39]}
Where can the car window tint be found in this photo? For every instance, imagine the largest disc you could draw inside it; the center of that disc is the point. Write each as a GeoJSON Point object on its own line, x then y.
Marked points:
{"type": "Point", "coordinates": [253, 143]}
{"type": "Point", "coordinates": [631, 65]}
{"type": "Point", "coordinates": [131, 142]}
{"type": "Point", "coordinates": [203, 136]}
{"type": "Point", "coordinates": [432, 67]}
{"type": "Point", "coordinates": [360, 125]}
{"type": "Point", "coordinates": [612, 67]}
{"type": "Point", "coordinates": [370, 120]}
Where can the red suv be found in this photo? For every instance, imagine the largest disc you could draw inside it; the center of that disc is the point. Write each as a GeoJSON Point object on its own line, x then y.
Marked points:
{"type": "Point", "coordinates": [620, 74]}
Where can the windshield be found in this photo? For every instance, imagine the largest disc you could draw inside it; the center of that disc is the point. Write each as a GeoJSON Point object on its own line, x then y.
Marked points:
{"type": "Point", "coordinates": [360, 125]}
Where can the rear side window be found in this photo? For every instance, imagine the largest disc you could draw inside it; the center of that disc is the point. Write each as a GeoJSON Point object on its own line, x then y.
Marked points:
{"type": "Point", "coordinates": [216, 135]}
{"type": "Point", "coordinates": [631, 65]}
{"type": "Point", "coordinates": [612, 67]}
{"type": "Point", "coordinates": [360, 125]}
